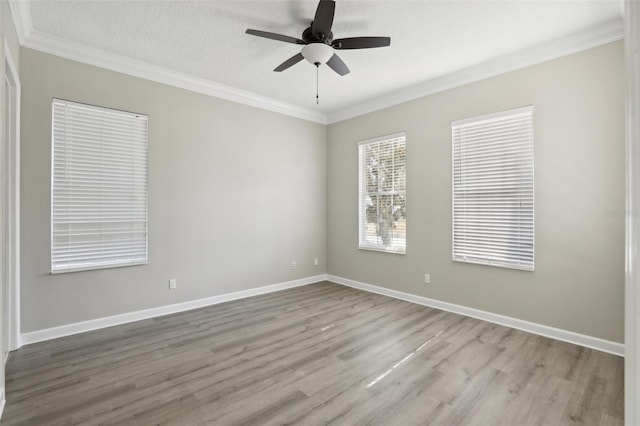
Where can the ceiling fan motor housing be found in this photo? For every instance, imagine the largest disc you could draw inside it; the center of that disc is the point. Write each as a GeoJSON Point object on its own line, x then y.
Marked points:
{"type": "Point", "coordinates": [308, 37]}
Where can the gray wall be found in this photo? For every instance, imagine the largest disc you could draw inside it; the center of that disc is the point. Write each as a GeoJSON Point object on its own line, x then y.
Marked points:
{"type": "Point", "coordinates": [578, 283]}
{"type": "Point", "coordinates": [235, 194]}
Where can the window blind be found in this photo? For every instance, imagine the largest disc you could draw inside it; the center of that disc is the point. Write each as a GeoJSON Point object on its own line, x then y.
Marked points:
{"type": "Point", "coordinates": [382, 193]}
{"type": "Point", "coordinates": [99, 187]}
{"type": "Point", "coordinates": [493, 194]}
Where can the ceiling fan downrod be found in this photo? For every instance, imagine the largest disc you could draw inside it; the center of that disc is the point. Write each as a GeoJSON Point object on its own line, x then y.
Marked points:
{"type": "Point", "coordinates": [317, 64]}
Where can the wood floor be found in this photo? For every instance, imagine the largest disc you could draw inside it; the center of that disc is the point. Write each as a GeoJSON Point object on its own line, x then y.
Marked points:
{"type": "Point", "coordinates": [319, 354]}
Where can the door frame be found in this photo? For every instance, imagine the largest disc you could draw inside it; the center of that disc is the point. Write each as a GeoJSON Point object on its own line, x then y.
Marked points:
{"type": "Point", "coordinates": [632, 249]}
{"type": "Point", "coordinates": [12, 200]}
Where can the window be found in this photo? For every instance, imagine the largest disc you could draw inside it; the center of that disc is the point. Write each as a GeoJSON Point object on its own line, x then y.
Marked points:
{"type": "Point", "coordinates": [382, 170]}
{"type": "Point", "coordinates": [493, 189]}
{"type": "Point", "coordinates": [99, 188]}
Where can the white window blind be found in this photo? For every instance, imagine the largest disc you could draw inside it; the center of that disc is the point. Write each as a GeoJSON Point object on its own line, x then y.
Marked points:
{"type": "Point", "coordinates": [99, 187]}
{"type": "Point", "coordinates": [493, 210]}
{"type": "Point", "coordinates": [382, 193]}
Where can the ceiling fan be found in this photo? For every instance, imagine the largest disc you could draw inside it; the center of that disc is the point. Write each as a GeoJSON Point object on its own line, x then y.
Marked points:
{"type": "Point", "coordinates": [319, 44]}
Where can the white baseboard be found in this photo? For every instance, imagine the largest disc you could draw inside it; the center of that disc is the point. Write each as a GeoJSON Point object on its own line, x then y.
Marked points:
{"type": "Point", "coordinates": [542, 330]}
{"type": "Point", "coordinates": [98, 323]}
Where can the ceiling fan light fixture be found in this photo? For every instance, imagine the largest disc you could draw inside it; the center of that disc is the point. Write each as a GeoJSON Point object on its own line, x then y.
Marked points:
{"type": "Point", "coordinates": [317, 53]}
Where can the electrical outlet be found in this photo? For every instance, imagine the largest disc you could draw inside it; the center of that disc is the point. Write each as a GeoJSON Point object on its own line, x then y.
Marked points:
{"type": "Point", "coordinates": [427, 279]}
{"type": "Point", "coordinates": [173, 283]}
{"type": "Point", "coordinates": [315, 261]}
{"type": "Point", "coordinates": [294, 264]}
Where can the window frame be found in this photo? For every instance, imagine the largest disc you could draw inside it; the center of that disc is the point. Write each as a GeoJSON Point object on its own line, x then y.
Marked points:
{"type": "Point", "coordinates": [362, 245]}
{"type": "Point", "coordinates": [483, 118]}
{"type": "Point", "coordinates": [97, 265]}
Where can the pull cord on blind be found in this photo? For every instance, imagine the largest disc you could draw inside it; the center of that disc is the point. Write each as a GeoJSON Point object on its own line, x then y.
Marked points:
{"type": "Point", "coordinates": [99, 187]}
{"type": "Point", "coordinates": [493, 192]}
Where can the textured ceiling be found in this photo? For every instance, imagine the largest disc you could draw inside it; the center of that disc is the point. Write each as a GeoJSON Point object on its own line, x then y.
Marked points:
{"type": "Point", "coordinates": [206, 39]}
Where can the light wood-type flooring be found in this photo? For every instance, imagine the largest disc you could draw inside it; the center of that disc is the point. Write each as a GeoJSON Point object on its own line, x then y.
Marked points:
{"type": "Point", "coordinates": [319, 354]}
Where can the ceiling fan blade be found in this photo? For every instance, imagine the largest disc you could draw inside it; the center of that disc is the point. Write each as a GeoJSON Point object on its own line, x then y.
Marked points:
{"type": "Point", "coordinates": [274, 36]}
{"type": "Point", "coordinates": [361, 42]}
{"type": "Point", "coordinates": [322, 22]}
{"type": "Point", "coordinates": [336, 64]}
{"type": "Point", "coordinates": [289, 62]}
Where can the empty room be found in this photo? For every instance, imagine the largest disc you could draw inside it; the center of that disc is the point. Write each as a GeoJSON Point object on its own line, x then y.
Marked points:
{"type": "Point", "coordinates": [312, 212]}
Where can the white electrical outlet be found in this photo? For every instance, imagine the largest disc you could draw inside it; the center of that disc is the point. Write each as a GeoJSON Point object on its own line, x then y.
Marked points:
{"type": "Point", "coordinates": [173, 283]}
{"type": "Point", "coordinates": [315, 261]}
{"type": "Point", "coordinates": [294, 264]}
{"type": "Point", "coordinates": [427, 279]}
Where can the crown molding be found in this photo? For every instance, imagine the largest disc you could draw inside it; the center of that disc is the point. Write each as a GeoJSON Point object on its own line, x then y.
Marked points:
{"type": "Point", "coordinates": [596, 36]}
{"type": "Point", "coordinates": [88, 55]}
{"type": "Point", "coordinates": [36, 40]}
{"type": "Point", "coordinates": [21, 13]}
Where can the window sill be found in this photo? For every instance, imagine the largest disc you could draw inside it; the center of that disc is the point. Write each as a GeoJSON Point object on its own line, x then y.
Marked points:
{"type": "Point", "coordinates": [97, 268]}
{"type": "Point", "coordinates": [496, 264]}
{"type": "Point", "coordinates": [383, 250]}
